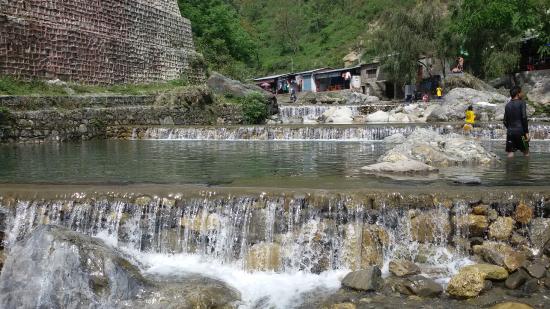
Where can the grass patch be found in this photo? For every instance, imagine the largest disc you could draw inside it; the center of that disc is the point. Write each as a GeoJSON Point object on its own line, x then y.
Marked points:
{"type": "Point", "coordinates": [17, 87]}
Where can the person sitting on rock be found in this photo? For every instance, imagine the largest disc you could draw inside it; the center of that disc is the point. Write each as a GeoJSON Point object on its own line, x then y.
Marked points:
{"type": "Point", "coordinates": [470, 119]}
{"type": "Point", "coordinates": [439, 92]}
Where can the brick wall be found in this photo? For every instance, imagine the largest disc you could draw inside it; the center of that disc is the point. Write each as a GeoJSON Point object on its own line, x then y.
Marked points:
{"type": "Point", "coordinates": [95, 41]}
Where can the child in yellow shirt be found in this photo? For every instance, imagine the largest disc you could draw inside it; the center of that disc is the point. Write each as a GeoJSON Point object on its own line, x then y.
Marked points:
{"type": "Point", "coordinates": [470, 119]}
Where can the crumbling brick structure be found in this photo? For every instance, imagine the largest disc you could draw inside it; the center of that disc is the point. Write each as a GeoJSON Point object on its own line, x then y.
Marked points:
{"type": "Point", "coordinates": [95, 41]}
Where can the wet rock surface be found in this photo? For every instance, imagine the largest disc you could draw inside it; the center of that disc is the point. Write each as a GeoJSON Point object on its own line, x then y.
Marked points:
{"type": "Point", "coordinates": [58, 268]}
{"type": "Point", "coordinates": [467, 283]}
{"type": "Point", "coordinates": [369, 279]}
{"type": "Point", "coordinates": [402, 268]}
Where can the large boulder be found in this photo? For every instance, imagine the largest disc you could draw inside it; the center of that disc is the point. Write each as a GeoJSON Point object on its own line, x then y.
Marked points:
{"type": "Point", "coordinates": [523, 213]}
{"type": "Point", "coordinates": [500, 254]}
{"type": "Point", "coordinates": [536, 84]}
{"type": "Point", "coordinates": [438, 150]}
{"type": "Point", "coordinates": [457, 101]}
{"type": "Point", "coordinates": [226, 86]}
{"type": "Point", "coordinates": [472, 225]}
{"type": "Point", "coordinates": [492, 272]}
{"type": "Point", "coordinates": [369, 279]}
{"type": "Point", "coordinates": [420, 286]}
{"type": "Point", "coordinates": [379, 116]}
{"type": "Point", "coordinates": [517, 279]}
{"type": "Point", "coordinates": [338, 115]}
{"type": "Point", "coordinates": [502, 228]}
{"type": "Point", "coordinates": [402, 268]}
{"type": "Point", "coordinates": [467, 283]}
{"type": "Point", "coordinates": [58, 268]}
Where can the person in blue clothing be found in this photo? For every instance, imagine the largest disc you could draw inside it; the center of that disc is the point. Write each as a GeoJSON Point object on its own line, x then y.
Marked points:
{"type": "Point", "coordinates": [516, 123]}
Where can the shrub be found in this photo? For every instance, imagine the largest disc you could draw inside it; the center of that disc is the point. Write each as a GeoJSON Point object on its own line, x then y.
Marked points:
{"type": "Point", "coordinates": [5, 116]}
{"type": "Point", "coordinates": [254, 108]}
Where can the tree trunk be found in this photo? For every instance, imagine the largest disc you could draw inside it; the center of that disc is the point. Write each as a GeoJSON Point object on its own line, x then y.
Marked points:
{"type": "Point", "coordinates": [395, 91]}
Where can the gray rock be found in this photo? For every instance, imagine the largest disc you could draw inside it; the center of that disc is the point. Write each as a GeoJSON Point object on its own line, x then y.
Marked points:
{"type": "Point", "coordinates": [517, 279]}
{"type": "Point", "coordinates": [531, 286]}
{"type": "Point", "coordinates": [457, 101]}
{"type": "Point", "coordinates": [434, 149]}
{"type": "Point", "coordinates": [536, 84]}
{"type": "Point", "coordinates": [58, 268]}
{"type": "Point", "coordinates": [539, 232]}
{"type": "Point", "coordinates": [403, 167]}
{"type": "Point", "coordinates": [536, 270]}
{"type": "Point", "coordinates": [422, 286]}
{"type": "Point", "coordinates": [397, 138]}
{"type": "Point", "coordinates": [468, 180]}
{"type": "Point", "coordinates": [224, 85]}
{"type": "Point", "coordinates": [369, 279]}
{"type": "Point", "coordinates": [492, 215]}
{"type": "Point", "coordinates": [402, 268]}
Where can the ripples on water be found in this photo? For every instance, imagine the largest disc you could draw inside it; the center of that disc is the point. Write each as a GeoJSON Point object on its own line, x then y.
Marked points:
{"type": "Point", "coordinates": [306, 164]}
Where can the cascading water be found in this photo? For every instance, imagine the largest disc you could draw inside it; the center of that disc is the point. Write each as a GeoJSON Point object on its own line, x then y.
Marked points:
{"type": "Point", "coordinates": [310, 112]}
{"type": "Point", "coordinates": [319, 133]}
{"type": "Point", "coordinates": [274, 248]}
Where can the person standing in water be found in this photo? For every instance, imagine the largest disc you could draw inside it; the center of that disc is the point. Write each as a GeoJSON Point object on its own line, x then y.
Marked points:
{"type": "Point", "coordinates": [515, 121]}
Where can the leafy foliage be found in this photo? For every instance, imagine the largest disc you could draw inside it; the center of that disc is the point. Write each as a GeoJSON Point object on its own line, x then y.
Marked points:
{"type": "Point", "coordinates": [491, 31]}
{"type": "Point", "coordinates": [254, 108]}
{"type": "Point", "coordinates": [14, 86]}
{"type": "Point", "coordinates": [404, 36]}
{"type": "Point", "coordinates": [5, 116]}
{"type": "Point", "coordinates": [219, 36]}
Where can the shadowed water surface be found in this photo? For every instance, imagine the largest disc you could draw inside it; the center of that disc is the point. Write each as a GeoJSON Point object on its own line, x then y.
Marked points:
{"type": "Point", "coordinates": [271, 164]}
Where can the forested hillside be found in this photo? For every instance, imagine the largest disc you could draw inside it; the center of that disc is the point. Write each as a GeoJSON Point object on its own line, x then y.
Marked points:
{"type": "Point", "coordinates": [243, 38]}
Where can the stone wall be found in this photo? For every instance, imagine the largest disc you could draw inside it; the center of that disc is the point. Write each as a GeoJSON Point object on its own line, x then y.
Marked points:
{"type": "Point", "coordinates": [104, 42]}
{"type": "Point", "coordinates": [69, 118]}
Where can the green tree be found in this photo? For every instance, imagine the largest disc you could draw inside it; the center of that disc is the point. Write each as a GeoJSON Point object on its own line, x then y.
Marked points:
{"type": "Point", "coordinates": [220, 36]}
{"type": "Point", "coordinates": [491, 31]}
{"type": "Point", "coordinates": [404, 36]}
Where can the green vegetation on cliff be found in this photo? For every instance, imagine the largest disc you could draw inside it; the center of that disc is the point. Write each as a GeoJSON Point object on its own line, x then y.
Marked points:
{"type": "Point", "coordinates": [242, 38]}
{"type": "Point", "coordinates": [16, 87]}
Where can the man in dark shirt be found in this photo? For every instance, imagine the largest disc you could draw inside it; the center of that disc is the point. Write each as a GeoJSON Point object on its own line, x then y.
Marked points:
{"type": "Point", "coordinates": [515, 120]}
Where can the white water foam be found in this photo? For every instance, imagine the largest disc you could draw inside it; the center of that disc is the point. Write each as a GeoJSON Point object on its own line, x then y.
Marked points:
{"type": "Point", "coordinates": [263, 289]}
{"type": "Point", "coordinates": [258, 289]}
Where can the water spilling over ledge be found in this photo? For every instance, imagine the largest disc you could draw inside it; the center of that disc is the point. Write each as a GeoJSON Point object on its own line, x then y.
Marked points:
{"type": "Point", "coordinates": [341, 133]}
{"type": "Point", "coordinates": [291, 244]}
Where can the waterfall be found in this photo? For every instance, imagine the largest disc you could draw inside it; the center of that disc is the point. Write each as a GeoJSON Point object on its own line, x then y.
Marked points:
{"type": "Point", "coordinates": [277, 249]}
{"type": "Point", "coordinates": [284, 234]}
{"type": "Point", "coordinates": [320, 133]}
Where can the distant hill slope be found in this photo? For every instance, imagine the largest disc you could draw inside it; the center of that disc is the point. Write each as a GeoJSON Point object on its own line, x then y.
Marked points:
{"type": "Point", "coordinates": [250, 37]}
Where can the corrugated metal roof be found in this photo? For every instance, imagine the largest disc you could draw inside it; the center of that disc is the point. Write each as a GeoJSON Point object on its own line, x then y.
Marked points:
{"type": "Point", "coordinates": [270, 77]}
{"type": "Point", "coordinates": [342, 69]}
{"type": "Point", "coordinates": [311, 71]}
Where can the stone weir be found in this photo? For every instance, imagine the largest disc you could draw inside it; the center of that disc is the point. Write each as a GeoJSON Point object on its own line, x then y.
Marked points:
{"type": "Point", "coordinates": [342, 133]}
{"type": "Point", "coordinates": [309, 231]}
{"type": "Point", "coordinates": [283, 233]}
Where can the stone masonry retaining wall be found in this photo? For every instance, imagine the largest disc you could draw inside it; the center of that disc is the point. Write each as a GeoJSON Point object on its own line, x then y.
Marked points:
{"type": "Point", "coordinates": [97, 42]}
{"type": "Point", "coordinates": [70, 118]}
